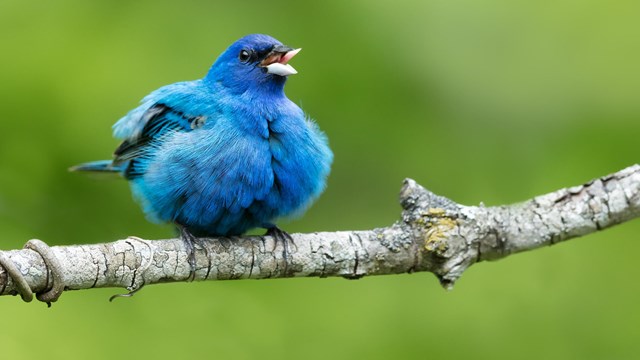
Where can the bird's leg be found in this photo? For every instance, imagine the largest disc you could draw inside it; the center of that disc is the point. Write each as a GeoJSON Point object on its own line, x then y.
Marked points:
{"type": "Point", "coordinates": [190, 242]}
{"type": "Point", "coordinates": [281, 235]}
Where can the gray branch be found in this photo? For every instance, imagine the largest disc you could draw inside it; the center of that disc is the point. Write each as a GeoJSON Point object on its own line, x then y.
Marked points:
{"type": "Point", "coordinates": [434, 234]}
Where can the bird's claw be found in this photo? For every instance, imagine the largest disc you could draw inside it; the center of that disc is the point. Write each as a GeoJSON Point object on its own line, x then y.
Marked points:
{"type": "Point", "coordinates": [280, 235]}
{"type": "Point", "coordinates": [190, 242]}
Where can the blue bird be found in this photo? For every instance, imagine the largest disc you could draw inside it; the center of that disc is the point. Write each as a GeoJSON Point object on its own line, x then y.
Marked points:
{"type": "Point", "coordinates": [224, 154]}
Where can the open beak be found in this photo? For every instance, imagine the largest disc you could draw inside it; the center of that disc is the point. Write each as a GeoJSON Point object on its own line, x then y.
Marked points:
{"type": "Point", "coordinates": [276, 61]}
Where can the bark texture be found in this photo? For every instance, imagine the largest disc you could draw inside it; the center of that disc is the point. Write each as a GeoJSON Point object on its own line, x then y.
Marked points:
{"type": "Point", "coordinates": [433, 234]}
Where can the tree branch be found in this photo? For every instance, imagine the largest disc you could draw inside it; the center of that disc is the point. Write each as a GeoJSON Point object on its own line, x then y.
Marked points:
{"type": "Point", "coordinates": [434, 234]}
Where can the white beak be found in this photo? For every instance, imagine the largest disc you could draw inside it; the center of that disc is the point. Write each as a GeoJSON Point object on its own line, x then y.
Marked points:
{"type": "Point", "coordinates": [281, 69]}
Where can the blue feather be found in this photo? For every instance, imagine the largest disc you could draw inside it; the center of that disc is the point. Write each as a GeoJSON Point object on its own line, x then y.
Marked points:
{"type": "Point", "coordinates": [97, 166]}
{"type": "Point", "coordinates": [226, 153]}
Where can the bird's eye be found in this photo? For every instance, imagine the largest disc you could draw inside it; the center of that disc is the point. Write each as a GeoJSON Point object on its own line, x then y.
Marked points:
{"type": "Point", "coordinates": [244, 56]}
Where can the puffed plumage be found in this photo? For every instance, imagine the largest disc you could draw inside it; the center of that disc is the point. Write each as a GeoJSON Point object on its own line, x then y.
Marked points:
{"type": "Point", "coordinates": [226, 153]}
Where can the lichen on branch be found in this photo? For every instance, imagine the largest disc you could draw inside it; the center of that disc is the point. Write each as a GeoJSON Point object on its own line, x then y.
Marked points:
{"type": "Point", "coordinates": [434, 234]}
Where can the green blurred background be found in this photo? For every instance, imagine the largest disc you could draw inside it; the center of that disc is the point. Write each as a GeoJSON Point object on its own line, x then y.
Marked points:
{"type": "Point", "coordinates": [492, 101]}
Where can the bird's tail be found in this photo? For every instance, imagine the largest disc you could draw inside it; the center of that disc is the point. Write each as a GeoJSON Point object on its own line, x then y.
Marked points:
{"type": "Point", "coordinates": [97, 166]}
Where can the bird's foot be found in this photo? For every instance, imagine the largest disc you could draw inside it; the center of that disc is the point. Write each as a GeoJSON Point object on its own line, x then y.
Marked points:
{"type": "Point", "coordinates": [280, 235]}
{"type": "Point", "coordinates": [190, 243]}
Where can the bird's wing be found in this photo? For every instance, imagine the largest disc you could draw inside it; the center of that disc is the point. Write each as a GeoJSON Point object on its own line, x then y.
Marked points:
{"type": "Point", "coordinates": [183, 96]}
{"type": "Point", "coordinates": [160, 121]}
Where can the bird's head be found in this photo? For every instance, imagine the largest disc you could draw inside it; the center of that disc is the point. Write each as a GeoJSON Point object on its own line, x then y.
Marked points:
{"type": "Point", "coordinates": [254, 62]}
